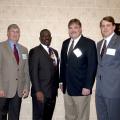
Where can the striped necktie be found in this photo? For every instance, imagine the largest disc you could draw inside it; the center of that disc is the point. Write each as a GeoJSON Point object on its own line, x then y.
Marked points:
{"type": "Point", "coordinates": [71, 48]}
{"type": "Point", "coordinates": [103, 49]}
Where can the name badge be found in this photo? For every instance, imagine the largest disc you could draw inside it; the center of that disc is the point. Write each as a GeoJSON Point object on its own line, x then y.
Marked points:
{"type": "Point", "coordinates": [111, 51]}
{"type": "Point", "coordinates": [77, 52]}
{"type": "Point", "coordinates": [24, 56]}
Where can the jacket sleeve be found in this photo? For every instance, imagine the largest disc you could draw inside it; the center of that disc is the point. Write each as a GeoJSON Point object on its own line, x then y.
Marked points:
{"type": "Point", "coordinates": [92, 65]}
{"type": "Point", "coordinates": [26, 71]}
{"type": "Point", "coordinates": [57, 71]}
{"type": "Point", "coordinates": [33, 70]}
{"type": "Point", "coordinates": [62, 65]}
{"type": "Point", "coordinates": [1, 85]}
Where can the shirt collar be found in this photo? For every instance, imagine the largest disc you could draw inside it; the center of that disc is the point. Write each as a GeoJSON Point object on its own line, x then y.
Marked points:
{"type": "Point", "coordinates": [45, 47]}
{"type": "Point", "coordinates": [75, 40]}
{"type": "Point", "coordinates": [109, 38]}
{"type": "Point", "coordinates": [11, 42]}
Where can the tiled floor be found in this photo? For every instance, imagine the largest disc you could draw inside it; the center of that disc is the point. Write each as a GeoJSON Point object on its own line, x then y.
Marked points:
{"type": "Point", "coordinates": [26, 110]}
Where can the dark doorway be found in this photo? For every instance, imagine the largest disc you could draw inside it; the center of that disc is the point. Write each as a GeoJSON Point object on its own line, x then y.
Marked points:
{"type": "Point", "coordinates": [117, 29]}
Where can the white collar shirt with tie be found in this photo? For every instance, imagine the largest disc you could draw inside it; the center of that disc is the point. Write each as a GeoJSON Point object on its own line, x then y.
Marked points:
{"type": "Point", "coordinates": [47, 50]}
{"type": "Point", "coordinates": [75, 42]}
{"type": "Point", "coordinates": [108, 39]}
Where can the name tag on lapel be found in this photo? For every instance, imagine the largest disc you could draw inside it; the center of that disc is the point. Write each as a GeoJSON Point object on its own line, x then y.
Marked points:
{"type": "Point", "coordinates": [24, 56]}
{"type": "Point", "coordinates": [77, 52]}
{"type": "Point", "coordinates": [111, 51]}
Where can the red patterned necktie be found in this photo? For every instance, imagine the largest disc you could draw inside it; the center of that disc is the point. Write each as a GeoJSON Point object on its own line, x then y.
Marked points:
{"type": "Point", "coordinates": [16, 54]}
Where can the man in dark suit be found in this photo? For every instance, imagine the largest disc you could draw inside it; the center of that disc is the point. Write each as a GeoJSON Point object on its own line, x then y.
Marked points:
{"type": "Point", "coordinates": [77, 72]}
{"type": "Point", "coordinates": [44, 73]}
{"type": "Point", "coordinates": [14, 74]}
{"type": "Point", "coordinates": [108, 73]}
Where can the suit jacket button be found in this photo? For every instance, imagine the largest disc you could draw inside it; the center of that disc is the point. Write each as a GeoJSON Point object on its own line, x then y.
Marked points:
{"type": "Point", "coordinates": [16, 79]}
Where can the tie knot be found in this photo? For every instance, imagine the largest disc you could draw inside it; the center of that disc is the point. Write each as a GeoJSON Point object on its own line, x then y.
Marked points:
{"type": "Point", "coordinates": [72, 44]}
{"type": "Point", "coordinates": [105, 41]}
{"type": "Point", "coordinates": [73, 41]}
{"type": "Point", "coordinates": [103, 51]}
{"type": "Point", "coordinates": [105, 44]}
{"type": "Point", "coordinates": [14, 45]}
{"type": "Point", "coordinates": [50, 51]}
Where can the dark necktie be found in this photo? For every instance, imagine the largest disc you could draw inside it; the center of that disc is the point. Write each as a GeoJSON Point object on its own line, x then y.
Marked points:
{"type": "Point", "coordinates": [51, 54]}
{"type": "Point", "coordinates": [16, 54]}
{"type": "Point", "coordinates": [103, 49]}
{"type": "Point", "coordinates": [71, 48]}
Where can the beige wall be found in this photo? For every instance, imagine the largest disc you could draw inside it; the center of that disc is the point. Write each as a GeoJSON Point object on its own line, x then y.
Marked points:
{"type": "Point", "coordinates": [34, 15]}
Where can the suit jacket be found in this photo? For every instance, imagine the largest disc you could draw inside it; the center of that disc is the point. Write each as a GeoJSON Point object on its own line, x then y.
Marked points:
{"type": "Point", "coordinates": [44, 75]}
{"type": "Point", "coordinates": [13, 78]}
{"type": "Point", "coordinates": [78, 72]}
{"type": "Point", "coordinates": [108, 72]}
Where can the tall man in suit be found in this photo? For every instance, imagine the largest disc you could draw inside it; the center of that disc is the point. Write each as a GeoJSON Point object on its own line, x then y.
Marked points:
{"type": "Point", "coordinates": [77, 72]}
{"type": "Point", "coordinates": [14, 74]}
{"type": "Point", "coordinates": [44, 73]}
{"type": "Point", "coordinates": [108, 73]}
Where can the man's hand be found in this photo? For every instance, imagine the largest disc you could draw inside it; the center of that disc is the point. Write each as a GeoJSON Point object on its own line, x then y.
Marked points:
{"type": "Point", "coordinates": [25, 93]}
{"type": "Point", "coordinates": [2, 93]}
{"type": "Point", "coordinates": [85, 91]}
{"type": "Point", "coordinates": [40, 96]}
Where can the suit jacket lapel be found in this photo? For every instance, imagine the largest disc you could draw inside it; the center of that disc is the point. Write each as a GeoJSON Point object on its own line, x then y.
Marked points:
{"type": "Point", "coordinates": [112, 41]}
{"type": "Point", "coordinates": [110, 45]}
{"type": "Point", "coordinates": [20, 54]}
{"type": "Point", "coordinates": [79, 43]}
{"type": "Point", "coordinates": [66, 49]}
{"type": "Point", "coordinates": [12, 54]}
{"type": "Point", "coordinates": [46, 54]}
{"type": "Point", "coordinates": [44, 51]}
{"type": "Point", "coordinates": [56, 55]}
{"type": "Point", "coordinates": [98, 49]}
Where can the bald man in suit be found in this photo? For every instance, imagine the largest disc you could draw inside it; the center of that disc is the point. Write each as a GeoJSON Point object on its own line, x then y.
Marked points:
{"type": "Point", "coordinates": [44, 74]}
{"type": "Point", "coordinates": [14, 74]}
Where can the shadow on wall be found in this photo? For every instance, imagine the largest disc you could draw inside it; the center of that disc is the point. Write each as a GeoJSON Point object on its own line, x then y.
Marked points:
{"type": "Point", "coordinates": [117, 29]}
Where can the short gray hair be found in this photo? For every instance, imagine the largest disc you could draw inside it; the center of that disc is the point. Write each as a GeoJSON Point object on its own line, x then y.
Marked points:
{"type": "Point", "coordinates": [14, 26]}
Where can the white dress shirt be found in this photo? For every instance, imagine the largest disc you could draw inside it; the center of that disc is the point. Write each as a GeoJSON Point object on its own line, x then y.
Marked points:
{"type": "Point", "coordinates": [47, 50]}
{"type": "Point", "coordinates": [108, 39]}
{"type": "Point", "coordinates": [75, 42]}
